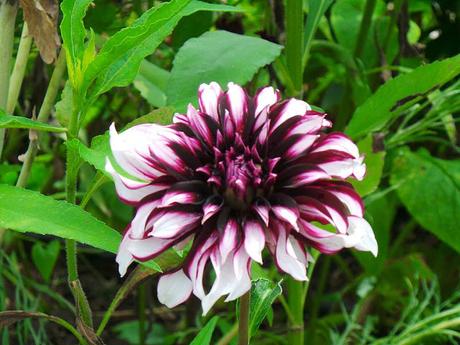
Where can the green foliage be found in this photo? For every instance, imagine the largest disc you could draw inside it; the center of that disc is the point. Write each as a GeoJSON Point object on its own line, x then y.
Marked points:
{"type": "Point", "coordinates": [263, 294]}
{"type": "Point", "coordinates": [395, 95]}
{"type": "Point", "coordinates": [430, 190]}
{"type": "Point", "coordinates": [118, 61]}
{"type": "Point", "coordinates": [232, 58]}
{"type": "Point", "coordinates": [374, 167]}
{"type": "Point", "coordinates": [151, 82]}
{"type": "Point", "coordinates": [11, 121]}
{"type": "Point", "coordinates": [393, 83]}
{"type": "Point", "coordinates": [45, 256]}
{"type": "Point", "coordinates": [204, 336]}
{"type": "Point", "coordinates": [26, 211]}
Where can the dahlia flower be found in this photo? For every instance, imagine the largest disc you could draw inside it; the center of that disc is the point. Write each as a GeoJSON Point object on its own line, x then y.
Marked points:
{"type": "Point", "coordinates": [235, 176]}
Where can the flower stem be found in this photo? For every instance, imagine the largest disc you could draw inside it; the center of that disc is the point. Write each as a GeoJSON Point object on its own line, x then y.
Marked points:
{"type": "Point", "coordinates": [19, 68]}
{"type": "Point", "coordinates": [243, 322]}
{"type": "Point", "coordinates": [295, 295]}
{"type": "Point", "coordinates": [364, 27]}
{"type": "Point", "coordinates": [8, 10]}
{"type": "Point", "coordinates": [294, 43]}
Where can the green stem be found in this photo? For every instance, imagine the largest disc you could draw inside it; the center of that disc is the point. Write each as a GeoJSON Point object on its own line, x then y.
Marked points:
{"type": "Point", "coordinates": [43, 115]}
{"type": "Point", "coordinates": [19, 69]}
{"type": "Point", "coordinates": [364, 27]}
{"type": "Point", "coordinates": [294, 43]}
{"type": "Point", "coordinates": [295, 296]}
{"type": "Point", "coordinates": [243, 322]}
{"type": "Point", "coordinates": [8, 10]}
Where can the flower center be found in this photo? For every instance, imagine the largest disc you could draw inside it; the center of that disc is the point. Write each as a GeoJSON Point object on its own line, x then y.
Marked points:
{"type": "Point", "coordinates": [242, 177]}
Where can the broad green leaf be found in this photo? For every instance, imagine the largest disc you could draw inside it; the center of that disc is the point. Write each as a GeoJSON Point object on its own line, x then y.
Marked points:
{"type": "Point", "coordinates": [384, 105]}
{"type": "Point", "coordinates": [151, 82]}
{"type": "Point", "coordinates": [27, 211]}
{"type": "Point", "coordinates": [374, 167]}
{"type": "Point", "coordinates": [162, 116]}
{"type": "Point", "coordinates": [118, 61]}
{"type": "Point", "coordinates": [11, 121]}
{"type": "Point", "coordinates": [430, 190]}
{"type": "Point", "coordinates": [263, 294]}
{"type": "Point", "coordinates": [44, 257]}
{"type": "Point", "coordinates": [205, 335]}
{"type": "Point", "coordinates": [229, 57]}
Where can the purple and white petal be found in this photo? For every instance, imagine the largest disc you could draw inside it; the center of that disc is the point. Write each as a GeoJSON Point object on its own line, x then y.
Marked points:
{"type": "Point", "coordinates": [266, 97]}
{"type": "Point", "coordinates": [174, 288]}
{"type": "Point", "coordinates": [254, 239]}
{"type": "Point", "coordinates": [171, 224]}
{"type": "Point", "coordinates": [285, 257]}
{"type": "Point", "coordinates": [208, 97]}
{"type": "Point", "coordinates": [293, 107]}
{"type": "Point", "coordinates": [238, 105]}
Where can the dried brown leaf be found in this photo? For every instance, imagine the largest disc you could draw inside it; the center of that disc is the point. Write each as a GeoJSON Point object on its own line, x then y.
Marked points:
{"type": "Point", "coordinates": [41, 17]}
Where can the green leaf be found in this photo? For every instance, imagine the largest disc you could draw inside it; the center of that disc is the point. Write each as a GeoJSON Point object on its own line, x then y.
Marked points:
{"type": "Point", "coordinates": [64, 106]}
{"type": "Point", "coordinates": [374, 167]}
{"type": "Point", "coordinates": [151, 82]}
{"type": "Point", "coordinates": [27, 211]}
{"type": "Point", "coordinates": [263, 294]}
{"type": "Point", "coordinates": [229, 57]}
{"type": "Point", "coordinates": [73, 33]}
{"type": "Point", "coordinates": [162, 116]}
{"type": "Point", "coordinates": [11, 121]}
{"type": "Point", "coordinates": [96, 154]}
{"type": "Point", "coordinates": [430, 190]}
{"type": "Point", "coordinates": [44, 257]}
{"type": "Point", "coordinates": [118, 61]}
{"type": "Point", "coordinates": [384, 105]}
{"type": "Point", "coordinates": [204, 337]}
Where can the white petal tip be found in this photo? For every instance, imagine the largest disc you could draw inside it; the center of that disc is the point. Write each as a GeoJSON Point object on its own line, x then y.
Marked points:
{"type": "Point", "coordinates": [174, 289]}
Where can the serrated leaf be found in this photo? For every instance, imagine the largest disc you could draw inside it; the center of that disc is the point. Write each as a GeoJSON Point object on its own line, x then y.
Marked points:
{"type": "Point", "coordinates": [11, 121]}
{"type": "Point", "coordinates": [73, 31]}
{"type": "Point", "coordinates": [263, 293]}
{"type": "Point", "coordinates": [430, 190]}
{"type": "Point", "coordinates": [229, 57]}
{"type": "Point", "coordinates": [28, 211]}
{"type": "Point", "coordinates": [205, 335]}
{"type": "Point", "coordinates": [384, 105]}
{"type": "Point", "coordinates": [118, 61]}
